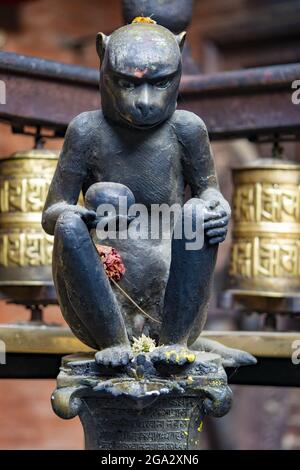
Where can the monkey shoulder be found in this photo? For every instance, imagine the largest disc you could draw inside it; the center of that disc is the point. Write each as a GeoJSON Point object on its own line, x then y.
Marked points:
{"type": "Point", "coordinates": [85, 124]}
{"type": "Point", "coordinates": [188, 126]}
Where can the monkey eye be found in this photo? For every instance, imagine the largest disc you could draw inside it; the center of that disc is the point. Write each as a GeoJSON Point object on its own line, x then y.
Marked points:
{"type": "Point", "coordinates": [163, 83]}
{"type": "Point", "coordinates": [123, 83]}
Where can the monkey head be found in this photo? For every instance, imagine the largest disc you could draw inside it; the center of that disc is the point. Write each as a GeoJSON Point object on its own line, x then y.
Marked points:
{"type": "Point", "coordinates": [140, 74]}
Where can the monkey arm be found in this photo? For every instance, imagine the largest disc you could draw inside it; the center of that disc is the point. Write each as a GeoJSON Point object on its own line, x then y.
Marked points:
{"type": "Point", "coordinates": [68, 178]}
{"type": "Point", "coordinates": [199, 173]}
{"type": "Point", "coordinates": [199, 170]}
{"type": "Point", "coordinates": [198, 163]}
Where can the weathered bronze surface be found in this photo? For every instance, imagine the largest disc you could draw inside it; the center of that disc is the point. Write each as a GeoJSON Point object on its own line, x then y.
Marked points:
{"type": "Point", "coordinates": [141, 148]}
{"type": "Point", "coordinates": [173, 14]}
{"type": "Point", "coordinates": [141, 409]}
{"type": "Point", "coordinates": [25, 249]}
{"type": "Point", "coordinates": [265, 267]}
{"type": "Point", "coordinates": [176, 15]}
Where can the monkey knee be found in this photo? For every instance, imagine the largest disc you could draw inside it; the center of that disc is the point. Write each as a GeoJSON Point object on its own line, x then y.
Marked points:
{"type": "Point", "coordinates": [70, 228]}
{"type": "Point", "coordinates": [108, 193]}
{"type": "Point", "coordinates": [193, 213]}
{"type": "Point", "coordinates": [192, 229]}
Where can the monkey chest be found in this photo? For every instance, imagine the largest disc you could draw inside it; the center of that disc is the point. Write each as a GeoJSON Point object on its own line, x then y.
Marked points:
{"type": "Point", "coordinates": [153, 173]}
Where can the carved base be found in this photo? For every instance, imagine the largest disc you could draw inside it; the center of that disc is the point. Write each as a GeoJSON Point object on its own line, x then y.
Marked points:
{"type": "Point", "coordinates": [168, 423]}
{"type": "Point", "coordinates": [123, 411]}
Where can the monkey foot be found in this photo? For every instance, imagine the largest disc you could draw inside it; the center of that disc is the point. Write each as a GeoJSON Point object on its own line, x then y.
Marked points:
{"type": "Point", "coordinates": [117, 356]}
{"type": "Point", "coordinates": [230, 357]}
{"type": "Point", "coordinates": [172, 355]}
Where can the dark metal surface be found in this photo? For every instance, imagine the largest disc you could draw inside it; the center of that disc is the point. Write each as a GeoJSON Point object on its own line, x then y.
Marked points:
{"type": "Point", "coordinates": [139, 408]}
{"type": "Point", "coordinates": [30, 366]}
{"type": "Point", "coordinates": [241, 103]}
{"type": "Point", "coordinates": [45, 93]}
{"type": "Point", "coordinates": [173, 14]}
{"type": "Point", "coordinates": [139, 89]}
{"type": "Point", "coordinates": [268, 371]}
{"type": "Point", "coordinates": [35, 67]}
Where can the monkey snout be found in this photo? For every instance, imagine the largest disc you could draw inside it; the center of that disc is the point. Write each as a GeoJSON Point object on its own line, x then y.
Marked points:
{"type": "Point", "coordinates": [145, 109]}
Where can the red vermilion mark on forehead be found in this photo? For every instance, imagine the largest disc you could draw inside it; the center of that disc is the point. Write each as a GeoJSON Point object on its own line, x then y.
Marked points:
{"type": "Point", "coordinates": [140, 73]}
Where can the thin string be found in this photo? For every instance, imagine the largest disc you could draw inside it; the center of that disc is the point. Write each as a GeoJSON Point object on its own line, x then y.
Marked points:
{"type": "Point", "coordinates": [133, 302]}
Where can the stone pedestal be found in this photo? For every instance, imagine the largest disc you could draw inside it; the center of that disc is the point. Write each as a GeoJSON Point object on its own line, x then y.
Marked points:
{"type": "Point", "coordinates": [141, 408]}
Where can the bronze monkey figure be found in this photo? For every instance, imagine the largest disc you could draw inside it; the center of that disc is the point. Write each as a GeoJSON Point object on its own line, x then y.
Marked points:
{"type": "Point", "coordinates": [138, 145]}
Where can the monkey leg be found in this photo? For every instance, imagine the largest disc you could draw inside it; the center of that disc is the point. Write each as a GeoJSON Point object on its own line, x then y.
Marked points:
{"type": "Point", "coordinates": [230, 357]}
{"type": "Point", "coordinates": [69, 313]}
{"type": "Point", "coordinates": [84, 291]}
{"type": "Point", "coordinates": [187, 292]}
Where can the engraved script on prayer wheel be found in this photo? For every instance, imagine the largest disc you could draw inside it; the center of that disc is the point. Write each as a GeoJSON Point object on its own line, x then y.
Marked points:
{"type": "Point", "coordinates": [25, 249]}
{"type": "Point", "coordinates": [265, 256]}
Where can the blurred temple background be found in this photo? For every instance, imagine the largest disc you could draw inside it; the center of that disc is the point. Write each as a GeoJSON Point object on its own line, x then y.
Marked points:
{"type": "Point", "coordinates": [223, 35]}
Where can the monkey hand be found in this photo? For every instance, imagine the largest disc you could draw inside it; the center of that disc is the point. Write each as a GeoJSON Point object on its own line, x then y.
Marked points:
{"type": "Point", "coordinates": [113, 223]}
{"type": "Point", "coordinates": [216, 219]}
{"type": "Point", "coordinates": [88, 216]}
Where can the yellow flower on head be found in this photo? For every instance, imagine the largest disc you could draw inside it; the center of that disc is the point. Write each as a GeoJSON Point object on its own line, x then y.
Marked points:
{"type": "Point", "coordinates": [143, 19]}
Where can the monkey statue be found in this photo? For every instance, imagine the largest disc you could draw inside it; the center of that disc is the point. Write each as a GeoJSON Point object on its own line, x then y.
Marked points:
{"type": "Point", "coordinates": [138, 146]}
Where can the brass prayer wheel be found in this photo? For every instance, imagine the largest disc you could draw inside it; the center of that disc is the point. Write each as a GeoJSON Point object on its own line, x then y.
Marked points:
{"type": "Point", "coordinates": [25, 249]}
{"type": "Point", "coordinates": [265, 255]}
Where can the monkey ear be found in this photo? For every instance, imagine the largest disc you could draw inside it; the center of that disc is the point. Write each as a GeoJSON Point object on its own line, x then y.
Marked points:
{"type": "Point", "coordinates": [101, 44]}
{"type": "Point", "coordinates": [180, 38]}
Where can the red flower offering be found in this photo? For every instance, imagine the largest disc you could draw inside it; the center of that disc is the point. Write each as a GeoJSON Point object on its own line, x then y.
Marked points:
{"type": "Point", "coordinates": [115, 269]}
{"type": "Point", "coordinates": [112, 262]}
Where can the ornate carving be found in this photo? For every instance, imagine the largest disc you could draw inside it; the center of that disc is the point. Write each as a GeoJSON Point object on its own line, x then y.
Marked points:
{"type": "Point", "coordinates": [25, 195]}
{"type": "Point", "coordinates": [25, 178]}
{"type": "Point", "coordinates": [152, 412]}
{"type": "Point", "coordinates": [259, 202]}
{"type": "Point", "coordinates": [265, 255]}
{"type": "Point", "coordinates": [25, 249]}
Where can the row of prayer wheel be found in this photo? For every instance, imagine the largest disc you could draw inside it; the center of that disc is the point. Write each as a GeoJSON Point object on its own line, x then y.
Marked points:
{"type": "Point", "coordinates": [25, 249]}
{"type": "Point", "coordinates": [265, 253]}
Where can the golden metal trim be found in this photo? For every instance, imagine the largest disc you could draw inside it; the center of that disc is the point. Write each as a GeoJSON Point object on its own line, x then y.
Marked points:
{"type": "Point", "coordinates": [40, 154]}
{"type": "Point", "coordinates": [45, 339]}
{"type": "Point", "coordinates": [264, 293]}
{"type": "Point", "coordinates": [28, 218]}
{"type": "Point", "coordinates": [268, 229]}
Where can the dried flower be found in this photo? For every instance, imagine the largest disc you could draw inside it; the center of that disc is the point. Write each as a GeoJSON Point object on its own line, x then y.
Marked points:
{"type": "Point", "coordinates": [143, 344]}
{"type": "Point", "coordinates": [112, 262]}
{"type": "Point", "coordinates": [115, 269]}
